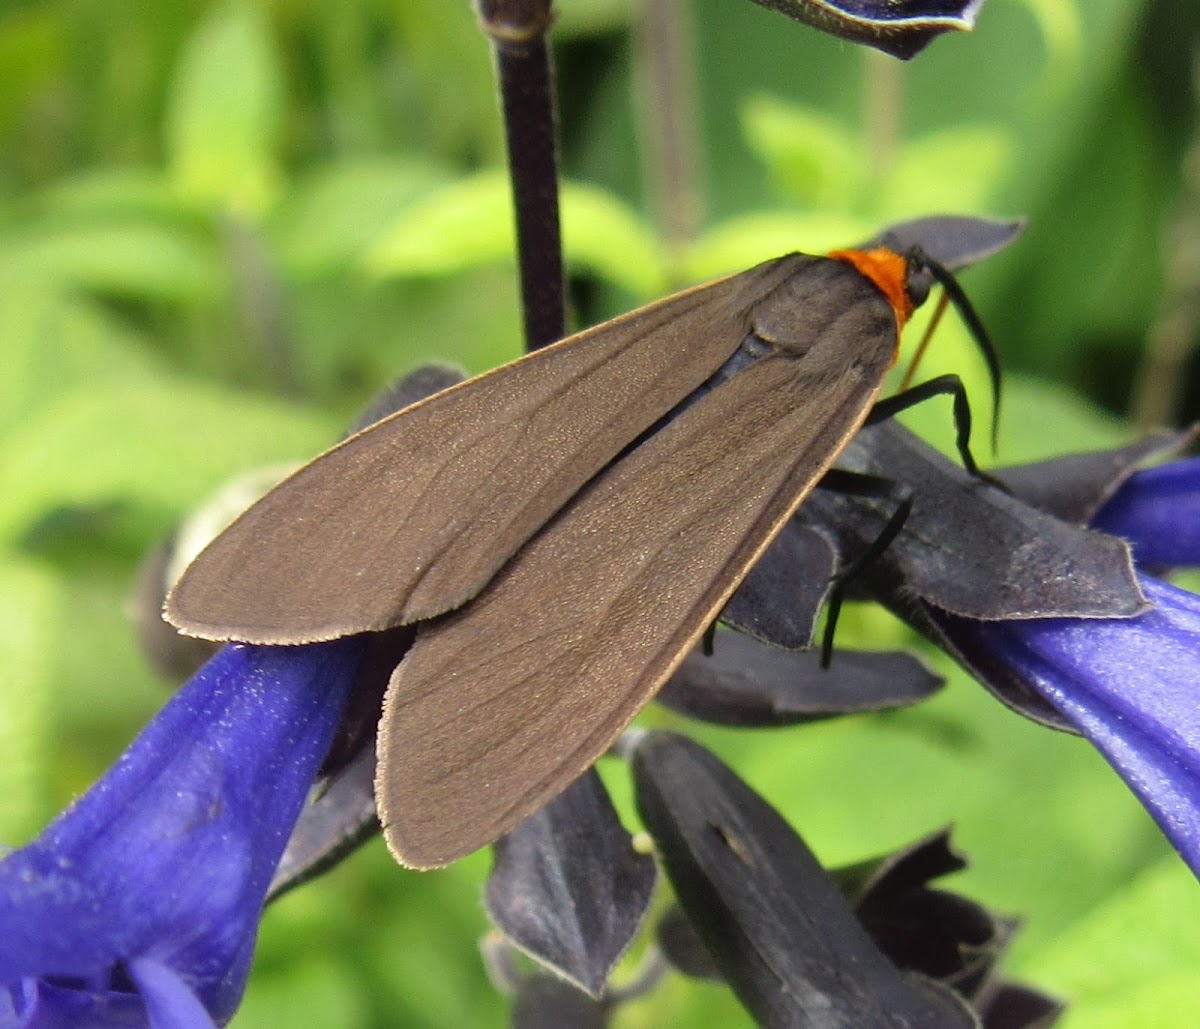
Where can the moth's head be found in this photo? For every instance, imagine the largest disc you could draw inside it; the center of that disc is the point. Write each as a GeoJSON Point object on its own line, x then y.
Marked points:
{"type": "Point", "coordinates": [914, 268]}
{"type": "Point", "coordinates": [905, 273]}
{"type": "Point", "coordinates": [902, 276]}
{"type": "Point", "coordinates": [918, 276]}
{"type": "Point", "coordinates": [935, 248]}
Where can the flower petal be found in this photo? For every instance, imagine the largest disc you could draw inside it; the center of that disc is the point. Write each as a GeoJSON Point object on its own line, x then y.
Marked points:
{"type": "Point", "coordinates": [901, 28]}
{"type": "Point", "coordinates": [43, 1005]}
{"type": "Point", "coordinates": [169, 1002]}
{"type": "Point", "coordinates": [169, 855]}
{"type": "Point", "coordinates": [1158, 511]}
{"type": "Point", "coordinates": [1132, 686]}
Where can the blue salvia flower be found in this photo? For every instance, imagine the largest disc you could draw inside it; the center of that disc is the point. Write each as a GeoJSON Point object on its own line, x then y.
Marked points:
{"type": "Point", "coordinates": [901, 28]}
{"type": "Point", "coordinates": [139, 905]}
{"type": "Point", "coordinates": [1158, 511]}
{"type": "Point", "coordinates": [1131, 686]}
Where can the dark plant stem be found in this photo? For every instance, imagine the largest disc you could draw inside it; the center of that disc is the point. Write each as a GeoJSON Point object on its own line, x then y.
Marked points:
{"type": "Point", "coordinates": [518, 32]}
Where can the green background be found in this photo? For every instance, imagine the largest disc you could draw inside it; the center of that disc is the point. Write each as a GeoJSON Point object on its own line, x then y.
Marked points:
{"type": "Point", "coordinates": [223, 226]}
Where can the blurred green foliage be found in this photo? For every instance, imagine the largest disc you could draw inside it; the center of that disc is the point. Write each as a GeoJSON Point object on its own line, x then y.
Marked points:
{"type": "Point", "coordinates": [224, 225]}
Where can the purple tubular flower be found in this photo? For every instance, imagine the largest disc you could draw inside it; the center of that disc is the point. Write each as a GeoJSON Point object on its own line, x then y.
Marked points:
{"type": "Point", "coordinates": [901, 28]}
{"type": "Point", "coordinates": [1151, 510]}
{"type": "Point", "coordinates": [139, 904]}
{"type": "Point", "coordinates": [1131, 686]}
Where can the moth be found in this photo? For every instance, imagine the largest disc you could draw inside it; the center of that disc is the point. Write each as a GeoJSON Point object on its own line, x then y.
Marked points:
{"type": "Point", "coordinates": [566, 527]}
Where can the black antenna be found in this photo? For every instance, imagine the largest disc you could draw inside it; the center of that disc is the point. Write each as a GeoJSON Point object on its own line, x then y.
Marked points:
{"type": "Point", "coordinates": [975, 326]}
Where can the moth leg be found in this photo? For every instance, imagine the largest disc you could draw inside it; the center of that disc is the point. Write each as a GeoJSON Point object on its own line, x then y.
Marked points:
{"type": "Point", "coordinates": [943, 385]}
{"type": "Point", "coordinates": [706, 641]}
{"type": "Point", "coordinates": [857, 484]}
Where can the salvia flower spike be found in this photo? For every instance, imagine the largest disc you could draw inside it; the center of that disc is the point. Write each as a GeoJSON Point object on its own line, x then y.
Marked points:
{"type": "Point", "coordinates": [1130, 685]}
{"type": "Point", "coordinates": [140, 903]}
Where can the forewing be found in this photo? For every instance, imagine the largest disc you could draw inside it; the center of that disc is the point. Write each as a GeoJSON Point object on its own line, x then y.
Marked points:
{"type": "Point", "coordinates": [499, 706]}
{"type": "Point", "coordinates": [412, 516]}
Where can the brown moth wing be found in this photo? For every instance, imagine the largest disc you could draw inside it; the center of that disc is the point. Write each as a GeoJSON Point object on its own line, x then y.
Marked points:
{"type": "Point", "coordinates": [502, 704]}
{"type": "Point", "coordinates": [412, 516]}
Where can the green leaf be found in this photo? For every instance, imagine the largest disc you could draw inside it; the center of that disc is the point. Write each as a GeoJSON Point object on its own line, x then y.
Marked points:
{"type": "Point", "coordinates": [574, 19]}
{"type": "Point", "coordinates": [131, 260]}
{"type": "Point", "coordinates": [162, 443]}
{"type": "Point", "coordinates": [810, 156]}
{"type": "Point", "coordinates": [465, 224]}
{"type": "Point", "coordinates": [1133, 959]}
{"type": "Point", "coordinates": [1038, 411]}
{"type": "Point", "coordinates": [225, 111]}
{"type": "Point", "coordinates": [956, 170]}
{"type": "Point", "coordinates": [1038, 419]}
{"type": "Point", "coordinates": [1143, 1004]}
{"type": "Point", "coordinates": [310, 990]}
{"type": "Point", "coordinates": [445, 73]}
{"type": "Point", "coordinates": [604, 234]}
{"type": "Point", "coordinates": [1061, 27]}
{"type": "Point", "coordinates": [51, 342]}
{"type": "Point", "coordinates": [121, 193]}
{"type": "Point", "coordinates": [470, 222]}
{"type": "Point", "coordinates": [744, 241]}
{"type": "Point", "coordinates": [444, 904]}
{"type": "Point", "coordinates": [31, 630]}
{"type": "Point", "coordinates": [33, 53]}
{"type": "Point", "coordinates": [336, 213]}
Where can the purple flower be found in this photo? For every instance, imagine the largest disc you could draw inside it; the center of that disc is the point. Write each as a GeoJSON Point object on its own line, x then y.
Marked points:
{"type": "Point", "coordinates": [901, 28]}
{"type": "Point", "coordinates": [1131, 686]}
{"type": "Point", "coordinates": [1158, 511]}
{"type": "Point", "coordinates": [139, 905]}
